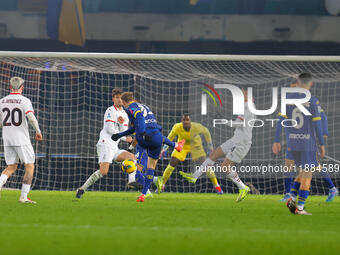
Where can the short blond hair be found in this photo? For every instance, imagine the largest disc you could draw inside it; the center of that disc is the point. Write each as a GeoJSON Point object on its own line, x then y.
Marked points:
{"type": "Point", "coordinates": [127, 97]}
{"type": "Point", "coordinates": [16, 82]}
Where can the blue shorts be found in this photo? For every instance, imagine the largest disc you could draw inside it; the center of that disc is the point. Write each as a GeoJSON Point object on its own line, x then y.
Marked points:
{"type": "Point", "coordinates": [305, 159]}
{"type": "Point", "coordinates": [289, 155]}
{"type": "Point", "coordinates": [142, 157]}
{"type": "Point", "coordinates": [153, 147]}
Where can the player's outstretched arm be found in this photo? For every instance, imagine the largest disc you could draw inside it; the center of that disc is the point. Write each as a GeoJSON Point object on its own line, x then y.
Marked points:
{"type": "Point", "coordinates": [130, 131]}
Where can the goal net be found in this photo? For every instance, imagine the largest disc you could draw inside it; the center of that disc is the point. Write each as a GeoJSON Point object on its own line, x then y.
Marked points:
{"type": "Point", "coordinates": [71, 91]}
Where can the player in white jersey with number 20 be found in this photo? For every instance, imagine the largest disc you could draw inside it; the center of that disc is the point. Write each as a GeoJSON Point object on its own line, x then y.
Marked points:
{"type": "Point", "coordinates": [14, 109]}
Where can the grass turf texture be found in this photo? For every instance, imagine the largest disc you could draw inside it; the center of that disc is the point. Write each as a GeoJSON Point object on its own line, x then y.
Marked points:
{"type": "Point", "coordinates": [171, 223]}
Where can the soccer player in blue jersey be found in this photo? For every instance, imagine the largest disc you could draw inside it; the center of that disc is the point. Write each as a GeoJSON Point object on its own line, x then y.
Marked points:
{"type": "Point", "coordinates": [302, 144]}
{"type": "Point", "coordinates": [148, 135]}
{"type": "Point", "coordinates": [137, 178]}
{"type": "Point", "coordinates": [289, 160]}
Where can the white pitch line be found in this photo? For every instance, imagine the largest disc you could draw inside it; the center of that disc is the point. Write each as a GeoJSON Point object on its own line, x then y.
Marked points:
{"type": "Point", "coordinates": [153, 228]}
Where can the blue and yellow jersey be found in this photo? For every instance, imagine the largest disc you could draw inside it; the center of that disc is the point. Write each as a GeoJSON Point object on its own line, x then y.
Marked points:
{"type": "Point", "coordinates": [302, 137]}
{"type": "Point", "coordinates": [324, 124]}
{"type": "Point", "coordinates": [324, 121]}
{"type": "Point", "coordinates": [141, 117]}
{"type": "Point", "coordinates": [193, 136]}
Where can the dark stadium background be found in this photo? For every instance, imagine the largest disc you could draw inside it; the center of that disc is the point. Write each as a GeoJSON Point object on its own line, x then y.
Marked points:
{"type": "Point", "coordinates": [54, 173]}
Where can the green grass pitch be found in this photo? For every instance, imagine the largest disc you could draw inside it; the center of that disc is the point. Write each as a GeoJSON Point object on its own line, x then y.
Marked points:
{"type": "Point", "coordinates": [171, 223]}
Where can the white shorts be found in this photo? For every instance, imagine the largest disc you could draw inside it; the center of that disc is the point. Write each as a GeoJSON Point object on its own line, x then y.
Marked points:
{"type": "Point", "coordinates": [235, 151]}
{"type": "Point", "coordinates": [107, 154]}
{"type": "Point", "coordinates": [24, 153]}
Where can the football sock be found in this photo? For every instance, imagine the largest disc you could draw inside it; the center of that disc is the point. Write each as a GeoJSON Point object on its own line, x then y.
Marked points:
{"type": "Point", "coordinates": [168, 142]}
{"type": "Point", "coordinates": [303, 194]}
{"type": "Point", "coordinates": [327, 178]}
{"type": "Point", "coordinates": [214, 182]}
{"type": "Point", "coordinates": [294, 190]}
{"type": "Point", "coordinates": [167, 173]}
{"type": "Point", "coordinates": [92, 179]}
{"type": "Point", "coordinates": [132, 176]}
{"type": "Point", "coordinates": [148, 180]}
{"type": "Point", "coordinates": [233, 176]}
{"type": "Point", "coordinates": [24, 190]}
{"type": "Point", "coordinates": [3, 180]}
{"type": "Point", "coordinates": [288, 181]}
{"type": "Point", "coordinates": [140, 178]}
{"type": "Point", "coordinates": [212, 178]}
{"type": "Point", "coordinates": [203, 168]}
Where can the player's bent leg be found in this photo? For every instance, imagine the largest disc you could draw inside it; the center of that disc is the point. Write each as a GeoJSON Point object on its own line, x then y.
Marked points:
{"type": "Point", "coordinates": [214, 155]}
{"type": "Point", "coordinates": [288, 179]}
{"type": "Point", "coordinates": [211, 175]}
{"type": "Point", "coordinates": [306, 178]}
{"type": "Point", "coordinates": [103, 170]}
{"type": "Point", "coordinates": [125, 155]}
{"type": "Point", "coordinates": [26, 185]}
{"type": "Point", "coordinates": [233, 176]}
{"type": "Point", "coordinates": [176, 157]}
{"type": "Point", "coordinates": [333, 191]}
{"type": "Point", "coordinates": [168, 171]}
{"type": "Point", "coordinates": [9, 170]}
{"type": "Point", "coordinates": [149, 174]}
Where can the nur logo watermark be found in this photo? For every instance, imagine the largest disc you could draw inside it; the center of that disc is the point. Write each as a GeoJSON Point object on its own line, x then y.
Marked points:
{"type": "Point", "coordinates": [239, 100]}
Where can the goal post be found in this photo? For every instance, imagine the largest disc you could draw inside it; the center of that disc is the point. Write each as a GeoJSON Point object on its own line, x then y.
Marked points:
{"type": "Point", "coordinates": [71, 91]}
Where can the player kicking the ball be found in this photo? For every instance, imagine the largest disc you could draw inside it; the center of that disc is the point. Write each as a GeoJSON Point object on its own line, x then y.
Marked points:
{"type": "Point", "coordinates": [115, 121]}
{"type": "Point", "coordinates": [302, 145]}
{"type": "Point", "coordinates": [234, 150]}
{"type": "Point", "coordinates": [17, 144]}
{"type": "Point", "coordinates": [148, 136]}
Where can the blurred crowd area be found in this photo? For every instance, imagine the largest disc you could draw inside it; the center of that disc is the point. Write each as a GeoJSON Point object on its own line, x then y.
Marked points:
{"type": "Point", "coordinates": [284, 7]}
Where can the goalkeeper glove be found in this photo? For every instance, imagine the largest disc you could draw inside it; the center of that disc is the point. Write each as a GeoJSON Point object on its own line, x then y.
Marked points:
{"type": "Point", "coordinates": [210, 148]}
{"type": "Point", "coordinates": [164, 151]}
{"type": "Point", "coordinates": [115, 137]}
{"type": "Point", "coordinates": [130, 149]}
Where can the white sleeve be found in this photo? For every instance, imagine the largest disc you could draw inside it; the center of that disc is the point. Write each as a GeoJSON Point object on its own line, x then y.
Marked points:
{"type": "Point", "coordinates": [110, 128]}
{"type": "Point", "coordinates": [33, 120]}
{"type": "Point", "coordinates": [28, 107]}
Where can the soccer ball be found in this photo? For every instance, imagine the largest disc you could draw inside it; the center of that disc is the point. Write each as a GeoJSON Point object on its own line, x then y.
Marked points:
{"type": "Point", "coordinates": [128, 166]}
